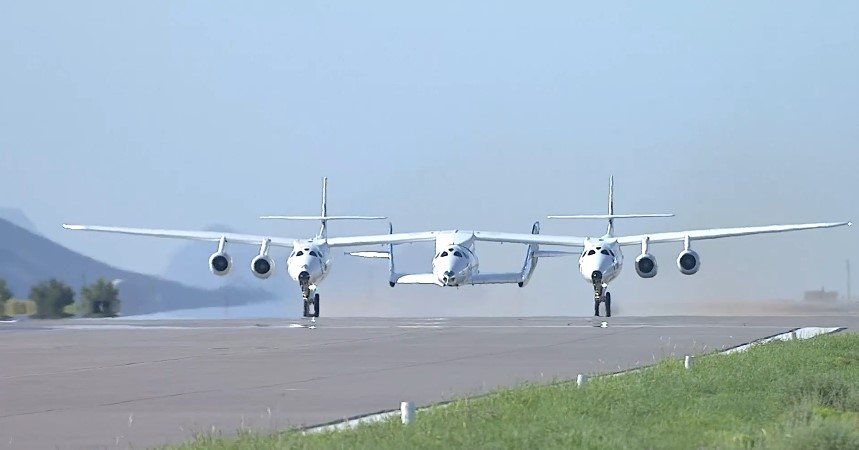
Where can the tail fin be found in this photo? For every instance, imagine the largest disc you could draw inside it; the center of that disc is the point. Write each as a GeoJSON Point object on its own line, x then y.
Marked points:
{"type": "Point", "coordinates": [324, 218]}
{"type": "Point", "coordinates": [393, 276]}
{"type": "Point", "coordinates": [611, 215]}
{"type": "Point", "coordinates": [530, 263]}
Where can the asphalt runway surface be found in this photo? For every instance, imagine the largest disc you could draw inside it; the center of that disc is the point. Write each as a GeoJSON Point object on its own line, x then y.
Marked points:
{"type": "Point", "coordinates": [86, 384]}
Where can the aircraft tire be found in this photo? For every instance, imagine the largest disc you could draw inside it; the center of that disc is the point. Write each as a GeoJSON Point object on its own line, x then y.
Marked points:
{"type": "Point", "coordinates": [316, 305]}
{"type": "Point", "coordinates": [608, 304]}
{"type": "Point", "coordinates": [596, 308]}
{"type": "Point", "coordinates": [306, 308]}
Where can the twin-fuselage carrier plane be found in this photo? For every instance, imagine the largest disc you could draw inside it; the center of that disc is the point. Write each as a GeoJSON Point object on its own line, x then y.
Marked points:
{"type": "Point", "coordinates": [455, 262]}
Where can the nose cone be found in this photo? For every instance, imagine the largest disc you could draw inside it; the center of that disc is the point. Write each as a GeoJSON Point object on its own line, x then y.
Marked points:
{"type": "Point", "coordinates": [303, 269]}
{"type": "Point", "coordinates": [450, 270]}
{"type": "Point", "coordinates": [597, 267]}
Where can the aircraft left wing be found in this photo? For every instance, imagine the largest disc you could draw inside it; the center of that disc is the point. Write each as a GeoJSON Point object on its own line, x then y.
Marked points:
{"type": "Point", "coordinates": [209, 236]}
{"type": "Point", "coordinates": [716, 233]}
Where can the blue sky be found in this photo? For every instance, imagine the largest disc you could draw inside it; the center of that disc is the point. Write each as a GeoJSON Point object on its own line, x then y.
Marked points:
{"type": "Point", "coordinates": [444, 115]}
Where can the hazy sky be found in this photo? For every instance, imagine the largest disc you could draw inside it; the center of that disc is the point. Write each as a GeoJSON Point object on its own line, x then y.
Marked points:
{"type": "Point", "coordinates": [444, 114]}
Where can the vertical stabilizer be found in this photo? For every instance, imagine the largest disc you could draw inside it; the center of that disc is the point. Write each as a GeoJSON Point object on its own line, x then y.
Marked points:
{"type": "Point", "coordinates": [610, 231]}
{"type": "Point", "coordinates": [323, 231]}
{"type": "Point", "coordinates": [324, 217]}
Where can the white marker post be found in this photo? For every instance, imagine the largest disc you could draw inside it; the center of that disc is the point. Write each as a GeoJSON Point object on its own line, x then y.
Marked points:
{"type": "Point", "coordinates": [688, 362]}
{"type": "Point", "coordinates": [407, 412]}
{"type": "Point", "coordinates": [581, 380]}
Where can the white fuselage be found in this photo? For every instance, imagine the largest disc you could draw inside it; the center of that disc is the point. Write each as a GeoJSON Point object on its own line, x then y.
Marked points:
{"type": "Point", "coordinates": [601, 255]}
{"type": "Point", "coordinates": [310, 261]}
{"type": "Point", "coordinates": [455, 261]}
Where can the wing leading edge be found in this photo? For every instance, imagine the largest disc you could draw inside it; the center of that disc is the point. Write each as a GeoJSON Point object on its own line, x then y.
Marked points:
{"type": "Point", "coordinates": [673, 236]}
{"type": "Point", "coordinates": [717, 233]}
{"type": "Point", "coordinates": [208, 236]}
{"type": "Point", "coordinates": [215, 236]}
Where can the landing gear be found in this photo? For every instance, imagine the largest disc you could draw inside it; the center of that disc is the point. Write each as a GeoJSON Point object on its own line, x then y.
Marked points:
{"type": "Point", "coordinates": [602, 299]}
{"type": "Point", "coordinates": [309, 296]}
{"type": "Point", "coordinates": [308, 302]}
{"type": "Point", "coordinates": [600, 294]}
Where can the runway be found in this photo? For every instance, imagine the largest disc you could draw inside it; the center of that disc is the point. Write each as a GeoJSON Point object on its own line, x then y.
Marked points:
{"type": "Point", "coordinates": [84, 384]}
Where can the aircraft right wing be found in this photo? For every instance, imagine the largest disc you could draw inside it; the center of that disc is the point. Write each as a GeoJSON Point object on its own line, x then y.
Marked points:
{"type": "Point", "coordinates": [215, 236]}
{"type": "Point", "coordinates": [209, 236]}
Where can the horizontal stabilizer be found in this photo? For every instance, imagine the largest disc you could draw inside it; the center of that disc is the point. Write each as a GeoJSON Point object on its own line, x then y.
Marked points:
{"type": "Point", "coordinates": [497, 278]}
{"type": "Point", "coordinates": [418, 278]}
{"type": "Point", "coordinates": [370, 254]}
{"type": "Point", "coordinates": [553, 253]}
{"type": "Point", "coordinates": [611, 216]}
{"type": "Point", "coordinates": [324, 217]}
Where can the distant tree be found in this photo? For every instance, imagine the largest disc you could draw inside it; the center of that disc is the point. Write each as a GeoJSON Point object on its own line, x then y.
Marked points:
{"type": "Point", "coordinates": [51, 297]}
{"type": "Point", "coordinates": [100, 299]}
{"type": "Point", "coordinates": [5, 294]}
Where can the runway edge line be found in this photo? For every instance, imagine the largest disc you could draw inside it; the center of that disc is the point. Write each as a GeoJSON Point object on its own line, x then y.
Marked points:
{"type": "Point", "coordinates": [354, 421]}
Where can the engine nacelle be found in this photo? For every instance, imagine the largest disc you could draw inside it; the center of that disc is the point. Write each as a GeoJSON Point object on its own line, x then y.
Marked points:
{"type": "Point", "coordinates": [220, 263]}
{"type": "Point", "coordinates": [645, 265]}
{"type": "Point", "coordinates": [262, 266]}
{"type": "Point", "coordinates": [688, 262]}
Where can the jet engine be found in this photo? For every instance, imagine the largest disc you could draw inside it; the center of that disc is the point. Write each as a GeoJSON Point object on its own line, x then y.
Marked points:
{"type": "Point", "coordinates": [262, 266]}
{"type": "Point", "coordinates": [645, 265]}
{"type": "Point", "coordinates": [688, 262]}
{"type": "Point", "coordinates": [220, 263]}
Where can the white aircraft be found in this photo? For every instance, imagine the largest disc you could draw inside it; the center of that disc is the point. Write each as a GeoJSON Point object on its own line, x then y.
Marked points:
{"type": "Point", "coordinates": [600, 261]}
{"type": "Point", "coordinates": [308, 264]}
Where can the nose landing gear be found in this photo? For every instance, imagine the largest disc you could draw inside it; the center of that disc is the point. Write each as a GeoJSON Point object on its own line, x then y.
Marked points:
{"type": "Point", "coordinates": [601, 295]}
{"type": "Point", "coordinates": [309, 296]}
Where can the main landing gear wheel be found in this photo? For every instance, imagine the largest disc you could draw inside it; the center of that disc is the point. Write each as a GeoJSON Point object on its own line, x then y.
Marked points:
{"type": "Point", "coordinates": [608, 304]}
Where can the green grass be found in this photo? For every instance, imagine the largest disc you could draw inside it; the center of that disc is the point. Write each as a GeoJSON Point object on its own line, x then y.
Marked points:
{"type": "Point", "coordinates": [27, 307]}
{"type": "Point", "coordinates": [782, 395]}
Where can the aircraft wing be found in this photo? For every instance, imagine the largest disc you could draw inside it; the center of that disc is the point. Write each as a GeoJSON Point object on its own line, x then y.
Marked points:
{"type": "Point", "coordinates": [676, 236]}
{"type": "Point", "coordinates": [392, 238]}
{"type": "Point", "coordinates": [209, 236]}
{"type": "Point", "coordinates": [522, 238]}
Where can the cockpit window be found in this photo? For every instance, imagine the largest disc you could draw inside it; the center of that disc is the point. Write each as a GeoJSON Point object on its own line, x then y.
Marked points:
{"type": "Point", "coordinates": [592, 252]}
{"type": "Point", "coordinates": [604, 252]}
{"type": "Point", "coordinates": [313, 253]}
{"type": "Point", "coordinates": [443, 254]}
{"type": "Point", "coordinates": [299, 253]}
{"type": "Point", "coordinates": [457, 254]}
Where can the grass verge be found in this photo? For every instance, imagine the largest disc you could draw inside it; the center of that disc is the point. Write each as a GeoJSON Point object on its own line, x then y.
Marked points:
{"type": "Point", "coordinates": [782, 395]}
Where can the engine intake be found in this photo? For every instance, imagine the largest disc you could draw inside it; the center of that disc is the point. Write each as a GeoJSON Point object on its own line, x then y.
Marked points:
{"type": "Point", "coordinates": [688, 262]}
{"type": "Point", "coordinates": [262, 266]}
{"type": "Point", "coordinates": [220, 263]}
{"type": "Point", "coordinates": [645, 265]}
